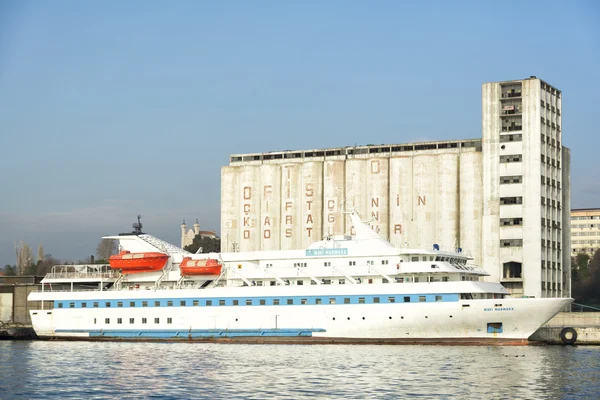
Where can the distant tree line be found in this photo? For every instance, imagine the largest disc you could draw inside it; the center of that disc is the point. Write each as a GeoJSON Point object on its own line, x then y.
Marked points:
{"type": "Point", "coordinates": [205, 243]}
{"type": "Point", "coordinates": [585, 278]}
{"type": "Point", "coordinates": [27, 266]}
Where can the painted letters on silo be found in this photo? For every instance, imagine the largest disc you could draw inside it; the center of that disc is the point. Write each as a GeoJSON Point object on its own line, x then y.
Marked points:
{"type": "Point", "coordinates": [270, 206]}
{"type": "Point", "coordinates": [312, 202]}
{"type": "Point", "coordinates": [377, 179]}
{"type": "Point", "coordinates": [333, 197]}
{"type": "Point", "coordinates": [291, 203]}
{"type": "Point", "coordinates": [250, 208]}
{"type": "Point", "coordinates": [424, 181]}
{"type": "Point", "coordinates": [401, 201]}
{"type": "Point", "coordinates": [356, 190]}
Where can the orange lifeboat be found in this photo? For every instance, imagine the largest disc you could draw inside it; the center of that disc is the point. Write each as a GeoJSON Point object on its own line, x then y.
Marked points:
{"type": "Point", "coordinates": [191, 267]}
{"type": "Point", "coordinates": [133, 263]}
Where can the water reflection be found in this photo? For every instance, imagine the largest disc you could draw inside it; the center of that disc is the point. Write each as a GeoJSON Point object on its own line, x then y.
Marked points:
{"type": "Point", "coordinates": [193, 370]}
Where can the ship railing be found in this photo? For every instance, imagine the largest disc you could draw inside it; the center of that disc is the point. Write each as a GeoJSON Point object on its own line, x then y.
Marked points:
{"type": "Point", "coordinates": [82, 275]}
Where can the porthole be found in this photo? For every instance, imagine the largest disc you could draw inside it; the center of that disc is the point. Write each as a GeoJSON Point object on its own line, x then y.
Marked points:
{"type": "Point", "coordinates": [390, 317]}
{"type": "Point", "coordinates": [333, 318]}
{"type": "Point", "coordinates": [400, 317]}
{"type": "Point", "coordinates": [451, 316]}
{"type": "Point", "coordinates": [363, 318]}
{"type": "Point", "coordinates": [348, 318]}
{"type": "Point", "coordinates": [236, 320]}
{"type": "Point", "coordinates": [426, 316]}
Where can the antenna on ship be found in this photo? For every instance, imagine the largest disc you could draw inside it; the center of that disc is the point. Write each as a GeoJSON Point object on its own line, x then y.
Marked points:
{"type": "Point", "coordinates": [137, 226]}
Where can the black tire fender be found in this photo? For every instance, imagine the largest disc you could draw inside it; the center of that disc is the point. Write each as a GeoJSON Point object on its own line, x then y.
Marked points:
{"type": "Point", "coordinates": [568, 335]}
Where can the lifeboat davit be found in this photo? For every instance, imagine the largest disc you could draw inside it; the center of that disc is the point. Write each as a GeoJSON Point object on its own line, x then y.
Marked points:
{"type": "Point", "coordinates": [191, 267]}
{"type": "Point", "coordinates": [133, 263]}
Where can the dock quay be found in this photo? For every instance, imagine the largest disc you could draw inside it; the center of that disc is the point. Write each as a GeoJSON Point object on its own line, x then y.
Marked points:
{"type": "Point", "coordinates": [580, 328]}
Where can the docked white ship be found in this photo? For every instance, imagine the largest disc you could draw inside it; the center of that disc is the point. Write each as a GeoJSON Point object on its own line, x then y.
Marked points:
{"type": "Point", "coordinates": [344, 289]}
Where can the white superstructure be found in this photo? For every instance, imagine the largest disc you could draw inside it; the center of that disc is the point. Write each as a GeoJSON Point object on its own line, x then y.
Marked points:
{"type": "Point", "coordinates": [339, 289]}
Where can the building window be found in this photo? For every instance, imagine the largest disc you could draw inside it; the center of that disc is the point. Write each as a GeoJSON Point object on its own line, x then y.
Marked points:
{"type": "Point", "coordinates": [504, 180]}
{"type": "Point", "coordinates": [511, 200]}
{"type": "Point", "coordinates": [511, 158]}
{"type": "Point", "coordinates": [511, 242]}
{"type": "Point", "coordinates": [511, 221]}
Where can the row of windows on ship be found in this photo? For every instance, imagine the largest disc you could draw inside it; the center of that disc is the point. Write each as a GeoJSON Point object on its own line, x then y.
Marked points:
{"type": "Point", "coordinates": [459, 263]}
{"type": "Point", "coordinates": [285, 301]}
{"type": "Point", "coordinates": [342, 281]}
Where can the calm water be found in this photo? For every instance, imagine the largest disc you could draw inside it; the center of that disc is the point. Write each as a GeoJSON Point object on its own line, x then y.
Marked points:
{"type": "Point", "coordinates": [90, 370]}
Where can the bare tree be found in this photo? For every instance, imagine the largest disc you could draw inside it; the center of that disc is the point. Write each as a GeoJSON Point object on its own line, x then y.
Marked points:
{"type": "Point", "coordinates": [24, 257]}
{"type": "Point", "coordinates": [106, 248]}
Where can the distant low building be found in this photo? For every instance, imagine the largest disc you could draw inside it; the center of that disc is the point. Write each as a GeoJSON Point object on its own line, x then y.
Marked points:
{"type": "Point", "coordinates": [585, 230]}
{"type": "Point", "coordinates": [188, 235]}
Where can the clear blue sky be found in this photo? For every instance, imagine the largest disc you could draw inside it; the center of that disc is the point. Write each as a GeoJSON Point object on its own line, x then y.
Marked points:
{"type": "Point", "coordinates": [113, 108]}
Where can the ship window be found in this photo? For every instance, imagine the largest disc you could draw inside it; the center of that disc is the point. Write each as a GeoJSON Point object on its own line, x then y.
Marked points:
{"type": "Point", "coordinates": [119, 304]}
{"type": "Point", "coordinates": [209, 303]}
{"type": "Point", "coordinates": [290, 301]}
{"type": "Point", "coordinates": [144, 320]}
{"type": "Point", "coordinates": [72, 305]}
{"type": "Point", "coordinates": [391, 299]}
{"type": "Point", "coordinates": [107, 304]}
{"type": "Point", "coordinates": [414, 259]}
{"type": "Point", "coordinates": [59, 305]}
{"type": "Point", "coordinates": [385, 262]}
{"type": "Point", "coordinates": [107, 321]}
{"type": "Point", "coordinates": [318, 301]}
{"type": "Point", "coordinates": [119, 320]}
{"type": "Point", "coordinates": [384, 280]}
{"type": "Point", "coordinates": [157, 303]}
{"type": "Point", "coordinates": [273, 283]}
{"type": "Point", "coordinates": [169, 320]}
{"type": "Point", "coordinates": [262, 302]}
{"type": "Point", "coordinates": [342, 281]}
{"type": "Point", "coordinates": [275, 302]}
{"type": "Point", "coordinates": [300, 282]}
{"type": "Point", "coordinates": [182, 303]}
{"type": "Point", "coordinates": [416, 279]}
{"type": "Point", "coordinates": [375, 299]}
{"type": "Point", "coordinates": [132, 304]}
{"type": "Point", "coordinates": [248, 302]}
{"type": "Point", "coordinates": [94, 320]}
{"type": "Point", "coordinates": [131, 320]}
{"type": "Point", "coordinates": [351, 263]}
{"type": "Point", "coordinates": [196, 303]}
{"type": "Point", "coordinates": [327, 264]}
{"type": "Point", "coordinates": [346, 300]}
{"type": "Point", "coordinates": [303, 301]}
{"type": "Point", "coordinates": [332, 300]}
{"type": "Point", "coordinates": [83, 305]}
{"type": "Point", "coordinates": [422, 299]}
{"type": "Point", "coordinates": [156, 320]}
{"type": "Point", "coordinates": [407, 299]}
{"type": "Point", "coordinates": [494, 327]}
{"type": "Point", "coordinates": [236, 302]}
{"type": "Point", "coordinates": [438, 298]}
{"type": "Point", "coordinates": [361, 300]}
{"type": "Point", "coordinates": [222, 302]}
{"type": "Point", "coordinates": [170, 303]}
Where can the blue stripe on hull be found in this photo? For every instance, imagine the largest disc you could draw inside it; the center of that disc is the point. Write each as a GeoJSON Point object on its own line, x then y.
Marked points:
{"type": "Point", "coordinates": [193, 333]}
